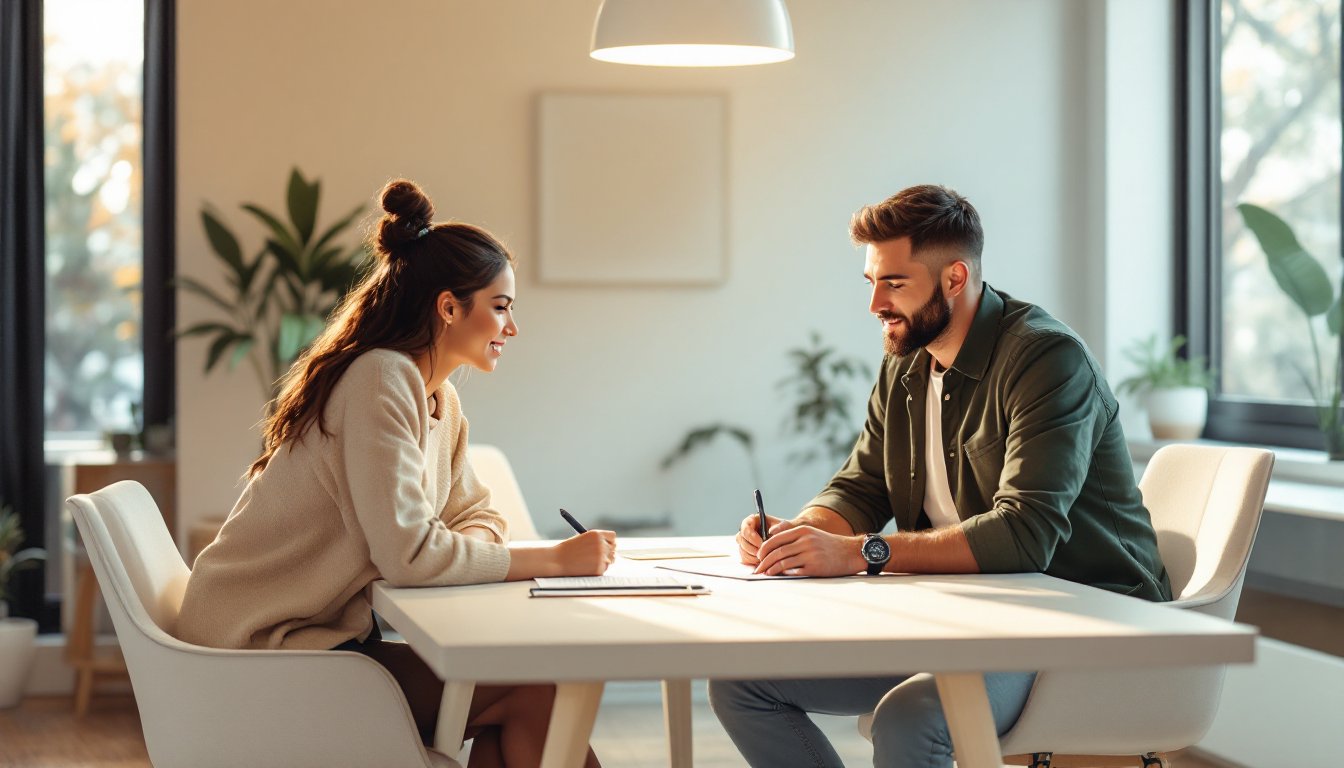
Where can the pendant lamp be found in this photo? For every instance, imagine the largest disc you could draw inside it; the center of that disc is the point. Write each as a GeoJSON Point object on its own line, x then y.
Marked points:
{"type": "Point", "coordinates": [692, 33]}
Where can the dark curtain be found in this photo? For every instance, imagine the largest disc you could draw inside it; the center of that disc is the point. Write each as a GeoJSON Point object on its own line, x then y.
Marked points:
{"type": "Point", "coordinates": [160, 191]}
{"type": "Point", "coordinates": [22, 284]}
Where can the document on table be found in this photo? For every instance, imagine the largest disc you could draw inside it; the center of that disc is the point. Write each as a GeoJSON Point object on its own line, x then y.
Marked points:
{"type": "Point", "coordinates": [729, 568]}
{"type": "Point", "coordinates": [614, 586]}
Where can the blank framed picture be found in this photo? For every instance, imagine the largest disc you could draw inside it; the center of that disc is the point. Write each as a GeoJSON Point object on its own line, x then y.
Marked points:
{"type": "Point", "coordinates": [632, 189]}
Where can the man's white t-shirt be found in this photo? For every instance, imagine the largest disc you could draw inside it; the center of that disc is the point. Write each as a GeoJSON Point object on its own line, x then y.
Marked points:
{"type": "Point", "coordinates": [937, 490]}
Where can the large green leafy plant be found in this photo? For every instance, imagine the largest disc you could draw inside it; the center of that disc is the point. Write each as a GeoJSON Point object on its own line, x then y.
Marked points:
{"type": "Point", "coordinates": [278, 300]}
{"type": "Point", "coordinates": [1302, 278]}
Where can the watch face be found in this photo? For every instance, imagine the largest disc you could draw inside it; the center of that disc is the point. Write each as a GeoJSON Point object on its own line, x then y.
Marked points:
{"type": "Point", "coordinates": [876, 550]}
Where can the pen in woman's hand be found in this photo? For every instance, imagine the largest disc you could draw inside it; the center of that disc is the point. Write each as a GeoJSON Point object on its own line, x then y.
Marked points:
{"type": "Point", "coordinates": [575, 523]}
{"type": "Point", "coordinates": [760, 510]}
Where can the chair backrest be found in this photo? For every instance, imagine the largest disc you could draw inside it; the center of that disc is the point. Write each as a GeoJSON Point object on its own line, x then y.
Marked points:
{"type": "Point", "coordinates": [137, 563]}
{"type": "Point", "coordinates": [492, 468]}
{"type": "Point", "coordinates": [205, 707]}
{"type": "Point", "coordinates": [1206, 503]}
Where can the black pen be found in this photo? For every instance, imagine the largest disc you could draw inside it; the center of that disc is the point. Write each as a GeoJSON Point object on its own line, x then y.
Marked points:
{"type": "Point", "coordinates": [760, 511]}
{"type": "Point", "coordinates": [575, 523]}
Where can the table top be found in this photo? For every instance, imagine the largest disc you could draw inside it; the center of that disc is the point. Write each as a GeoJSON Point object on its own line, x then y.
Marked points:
{"type": "Point", "coordinates": [857, 625]}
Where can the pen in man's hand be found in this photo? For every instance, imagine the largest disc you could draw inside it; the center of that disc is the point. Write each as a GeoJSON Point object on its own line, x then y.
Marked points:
{"type": "Point", "coordinates": [760, 511]}
{"type": "Point", "coordinates": [575, 523]}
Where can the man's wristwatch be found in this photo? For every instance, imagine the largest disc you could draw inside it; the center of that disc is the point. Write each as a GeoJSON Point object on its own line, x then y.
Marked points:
{"type": "Point", "coordinates": [876, 552]}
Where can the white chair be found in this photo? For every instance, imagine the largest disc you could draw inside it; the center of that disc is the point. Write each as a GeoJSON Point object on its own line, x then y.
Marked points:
{"type": "Point", "coordinates": [204, 707]}
{"type": "Point", "coordinates": [1206, 503]}
{"type": "Point", "coordinates": [493, 470]}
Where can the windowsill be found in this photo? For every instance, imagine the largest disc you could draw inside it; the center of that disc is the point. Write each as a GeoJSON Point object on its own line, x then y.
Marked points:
{"type": "Point", "coordinates": [1303, 483]}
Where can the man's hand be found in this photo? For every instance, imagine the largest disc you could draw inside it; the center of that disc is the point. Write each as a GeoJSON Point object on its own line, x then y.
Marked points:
{"type": "Point", "coordinates": [749, 535]}
{"type": "Point", "coordinates": [801, 550]}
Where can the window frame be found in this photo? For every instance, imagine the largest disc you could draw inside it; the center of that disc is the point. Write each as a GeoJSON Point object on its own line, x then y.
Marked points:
{"type": "Point", "coordinates": [1198, 300]}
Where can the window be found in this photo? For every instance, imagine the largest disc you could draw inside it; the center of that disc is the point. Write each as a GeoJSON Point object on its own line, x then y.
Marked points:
{"type": "Point", "coordinates": [1263, 128]}
{"type": "Point", "coordinates": [93, 82]}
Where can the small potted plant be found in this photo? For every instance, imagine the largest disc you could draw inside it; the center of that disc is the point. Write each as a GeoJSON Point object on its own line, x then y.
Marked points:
{"type": "Point", "coordinates": [17, 636]}
{"type": "Point", "coordinates": [1174, 390]}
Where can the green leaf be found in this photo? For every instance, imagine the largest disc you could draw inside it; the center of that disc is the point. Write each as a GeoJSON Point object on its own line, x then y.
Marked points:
{"type": "Point", "coordinates": [287, 261]}
{"type": "Point", "coordinates": [296, 333]}
{"type": "Point", "coordinates": [200, 289]}
{"type": "Point", "coordinates": [240, 351]}
{"type": "Point", "coordinates": [322, 258]}
{"type": "Point", "coordinates": [282, 236]}
{"type": "Point", "coordinates": [1334, 318]}
{"type": "Point", "coordinates": [267, 291]}
{"type": "Point", "coordinates": [1297, 273]}
{"type": "Point", "coordinates": [250, 271]}
{"type": "Point", "coordinates": [203, 328]}
{"type": "Point", "coordinates": [27, 558]}
{"type": "Point", "coordinates": [741, 435]}
{"type": "Point", "coordinates": [337, 228]}
{"type": "Point", "coordinates": [339, 277]}
{"type": "Point", "coordinates": [700, 436]}
{"type": "Point", "coordinates": [222, 241]}
{"type": "Point", "coordinates": [302, 198]}
{"type": "Point", "coordinates": [218, 347]}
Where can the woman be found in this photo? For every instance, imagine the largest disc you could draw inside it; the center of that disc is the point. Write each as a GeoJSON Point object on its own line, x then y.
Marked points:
{"type": "Point", "coordinates": [364, 476]}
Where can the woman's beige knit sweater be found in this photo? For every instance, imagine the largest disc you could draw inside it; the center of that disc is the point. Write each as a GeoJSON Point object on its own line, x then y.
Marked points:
{"type": "Point", "coordinates": [383, 495]}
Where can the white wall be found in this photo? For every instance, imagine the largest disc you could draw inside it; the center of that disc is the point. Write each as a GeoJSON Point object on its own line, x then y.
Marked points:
{"type": "Point", "coordinates": [997, 99]}
{"type": "Point", "coordinates": [1134, 175]}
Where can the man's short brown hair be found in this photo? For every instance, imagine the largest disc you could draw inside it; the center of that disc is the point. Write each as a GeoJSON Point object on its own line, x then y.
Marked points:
{"type": "Point", "coordinates": [932, 216]}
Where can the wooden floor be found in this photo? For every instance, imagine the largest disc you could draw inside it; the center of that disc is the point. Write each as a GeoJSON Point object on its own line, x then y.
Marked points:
{"type": "Point", "coordinates": [1292, 620]}
{"type": "Point", "coordinates": [43, 733]}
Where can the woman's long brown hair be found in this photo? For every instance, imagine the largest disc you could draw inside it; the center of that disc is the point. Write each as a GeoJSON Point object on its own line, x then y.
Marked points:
{"type": "Point", "coordinates": [392, 307]}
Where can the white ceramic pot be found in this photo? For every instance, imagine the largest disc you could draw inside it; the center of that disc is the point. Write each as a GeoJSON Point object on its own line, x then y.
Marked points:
{"type": "Point", "coordinates": [1177, 414]}
{"type": "Point", "coordinates": [17, 648]}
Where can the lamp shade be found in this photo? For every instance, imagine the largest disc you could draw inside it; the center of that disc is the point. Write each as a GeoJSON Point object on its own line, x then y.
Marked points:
{"type": "Point", "coordinates": [692, 33]}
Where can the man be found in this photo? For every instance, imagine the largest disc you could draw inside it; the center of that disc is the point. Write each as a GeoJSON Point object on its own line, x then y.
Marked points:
{"type": "Point", "coordinates": [992, 441]}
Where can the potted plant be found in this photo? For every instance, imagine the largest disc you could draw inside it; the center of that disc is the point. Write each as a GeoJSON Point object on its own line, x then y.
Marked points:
{"type": "Point", "coordinates": [818, 416]}
{"type": "Point", "coordinates": [17, 635]}
{"type": "Point", "coordinates": [1174, 390]}
{"type": "Point", "coordinates": [279, 299]}
{"type": "Point", "coordinates": [1302, 278]}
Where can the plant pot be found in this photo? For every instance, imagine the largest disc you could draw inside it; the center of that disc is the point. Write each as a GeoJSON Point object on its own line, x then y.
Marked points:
{"type": "Point", "coordinates": [17, 647]}
{"type": "Point", "coordinates": [1178, 413]}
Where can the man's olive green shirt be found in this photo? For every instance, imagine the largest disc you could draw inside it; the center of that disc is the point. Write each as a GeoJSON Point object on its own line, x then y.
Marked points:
{"type": "Point", "coordinates": [1036, 459]}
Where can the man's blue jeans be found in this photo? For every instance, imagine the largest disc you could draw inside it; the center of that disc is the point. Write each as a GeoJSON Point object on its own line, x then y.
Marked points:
{"type": "Point", "coordinates": [767, 719]}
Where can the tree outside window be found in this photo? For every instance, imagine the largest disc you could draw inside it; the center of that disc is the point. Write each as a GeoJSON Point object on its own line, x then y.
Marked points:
{"type": "Point", "coordinates": [1279, 148]}
{"type": "Point", "coordinates": [93, 61]}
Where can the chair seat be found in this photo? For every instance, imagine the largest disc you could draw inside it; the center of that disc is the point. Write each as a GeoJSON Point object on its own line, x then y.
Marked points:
{"type": "Point", "coordinates": [1205, 504]}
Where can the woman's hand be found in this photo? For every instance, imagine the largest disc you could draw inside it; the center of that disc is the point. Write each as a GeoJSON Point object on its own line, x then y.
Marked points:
{"type": "Point", "coordinates": [587, 554]}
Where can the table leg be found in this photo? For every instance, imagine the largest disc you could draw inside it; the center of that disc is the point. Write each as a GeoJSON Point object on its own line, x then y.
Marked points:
{"type": "Point", "coordinates": [571, 724]}
{"type": "Point", "coordinates": [677, 716]}
{"type": "Point", "coordinates": [975, 741]}
{"type": "Point", "coordinates": [453, 712]}
{"type": "Point", "coordinates": [79, 647]}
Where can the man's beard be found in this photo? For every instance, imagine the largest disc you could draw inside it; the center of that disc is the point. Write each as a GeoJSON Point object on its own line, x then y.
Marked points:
{"type": "Point", "coordinates": [922, 330]}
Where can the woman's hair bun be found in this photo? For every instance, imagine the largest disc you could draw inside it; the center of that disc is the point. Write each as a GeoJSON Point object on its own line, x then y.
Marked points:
{"type": "Point", "coordinates": [408, 211]}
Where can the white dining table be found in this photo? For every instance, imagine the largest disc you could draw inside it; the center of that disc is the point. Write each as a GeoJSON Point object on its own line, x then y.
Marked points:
{"type": "Point", "coordinates": [955, 626]}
